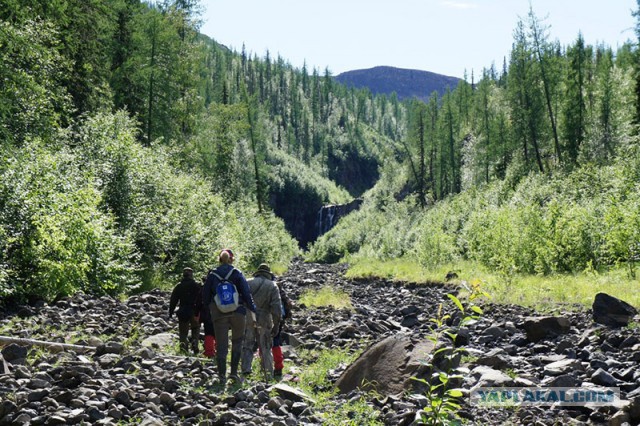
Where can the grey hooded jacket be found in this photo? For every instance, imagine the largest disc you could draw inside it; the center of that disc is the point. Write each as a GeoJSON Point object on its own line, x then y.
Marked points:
{"type": "Point", "coordinates": [266, 296]}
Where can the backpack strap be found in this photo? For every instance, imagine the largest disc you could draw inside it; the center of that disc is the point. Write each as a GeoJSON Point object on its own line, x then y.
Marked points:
{"type": "Point", "coordinates": [259, 287]}
{"type": "Point", "coordinates": [225, 278]}
{"type": "Point", "coordinates": [229, 274]}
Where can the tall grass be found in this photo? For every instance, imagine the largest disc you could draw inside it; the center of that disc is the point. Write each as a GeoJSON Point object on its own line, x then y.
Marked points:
{"type": "Point", "coordinates": [326, 296]}
{"type": "Point", "coordinates": [542, 292]}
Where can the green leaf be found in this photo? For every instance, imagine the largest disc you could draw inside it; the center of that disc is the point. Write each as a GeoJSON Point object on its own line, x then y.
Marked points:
{"type": "Point", "coordinates": [455, 393]}
{"type": "Point", "coordinates": [452, 336]}
{"type": "Point", "coordinates": [451, 406]}
{"type": "Point", "coordinates": [455, 300]}
{"type": "Point", "coordinates": [477, 309]}
{"type": "Point", "coordinates": [446, 348]}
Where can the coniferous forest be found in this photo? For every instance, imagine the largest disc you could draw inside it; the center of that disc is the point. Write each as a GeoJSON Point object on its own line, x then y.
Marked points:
{"type": "Point", "coordinates": [133, 146]}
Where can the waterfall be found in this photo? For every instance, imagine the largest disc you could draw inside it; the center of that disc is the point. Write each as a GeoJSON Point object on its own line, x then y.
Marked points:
{"type": "Point", "coordinates": [326, 215]}
{"type": "Point", "coordinates": [329, 215]}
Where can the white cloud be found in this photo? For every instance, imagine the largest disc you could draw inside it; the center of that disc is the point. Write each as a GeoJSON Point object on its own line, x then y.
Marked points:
{"type": "Point", "coordinates": [459, 4]}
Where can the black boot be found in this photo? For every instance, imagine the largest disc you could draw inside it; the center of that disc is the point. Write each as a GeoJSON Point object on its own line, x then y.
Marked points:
{"type": "Point", "coordinates": [235, 361]}
{"type": "Point", "coordinates": [222, 368]}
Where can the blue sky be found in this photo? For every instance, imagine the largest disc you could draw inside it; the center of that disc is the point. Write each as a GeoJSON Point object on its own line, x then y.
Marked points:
{"type": "Point", "coordinates": [442, 36]}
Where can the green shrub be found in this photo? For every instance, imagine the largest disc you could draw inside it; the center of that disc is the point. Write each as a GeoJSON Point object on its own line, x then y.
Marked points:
{"type": "Point", "coordinates": [436, 242]}
{"type": "Point", "coordinates": [58, 240]}
{"type": "Point", "coordinates": [621, 239]}
{"type": "Point", "coordinates": [103, 214]}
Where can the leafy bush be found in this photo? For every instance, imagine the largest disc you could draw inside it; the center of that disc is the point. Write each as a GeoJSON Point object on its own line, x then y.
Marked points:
{"type": "Point", "coordinates": [621, 239]}
{"type": "Point", "coordinates": [438, 246]}
{"type": "Point", "coordinates": [58, 240]}
{"type": "Point", "coordinates": [103, 214]}
{"type": "Point", "coordinates": [443, 400]}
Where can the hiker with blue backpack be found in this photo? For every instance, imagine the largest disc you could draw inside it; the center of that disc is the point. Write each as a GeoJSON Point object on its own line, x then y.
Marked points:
{"type": "Point", "coordinates": [228, 297]}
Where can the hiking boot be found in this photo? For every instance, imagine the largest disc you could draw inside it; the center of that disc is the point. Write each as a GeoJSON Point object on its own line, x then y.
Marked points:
{"type": "Point", "coordinates": [234, 379]}
{"type": "Point", "coordinates": [235, 360]}
{"type": "Point", "coordinates": [222, 369]}
{"type": "Point", "coordinates": [277, 373]}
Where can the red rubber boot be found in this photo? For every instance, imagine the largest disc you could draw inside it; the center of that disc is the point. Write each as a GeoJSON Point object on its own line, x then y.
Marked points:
{"type": "Point", "coordinates": [278, 361]}
{"type": "Point", "coordinates": [209, 346]}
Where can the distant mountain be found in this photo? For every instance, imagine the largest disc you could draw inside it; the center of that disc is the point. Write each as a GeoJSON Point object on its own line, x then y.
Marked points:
{"type": "Point", "coordinates": [406, 83]}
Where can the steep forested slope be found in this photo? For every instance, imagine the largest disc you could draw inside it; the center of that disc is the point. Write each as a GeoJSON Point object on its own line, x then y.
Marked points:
{"type": "Point", "coordinates": [134, 146]}
{"type": "Point", "coordinates": [533, 170]}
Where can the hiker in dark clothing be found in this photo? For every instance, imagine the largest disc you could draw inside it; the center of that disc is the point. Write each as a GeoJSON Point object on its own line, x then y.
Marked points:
{"type": "Point", "coordinates": [209, 335]}
{"type": "Point", "coordinates": [188, 295]}
{"type": "Point", "coordinates": [234, 321]}
{"type": "Point", "coordinates": [276, 349]}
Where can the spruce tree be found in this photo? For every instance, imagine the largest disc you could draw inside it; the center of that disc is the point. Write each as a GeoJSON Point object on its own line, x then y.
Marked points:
{"type": "Point", "coordinates": [637, 65]}
{"type": "Point", "coordinates": [575, 108]}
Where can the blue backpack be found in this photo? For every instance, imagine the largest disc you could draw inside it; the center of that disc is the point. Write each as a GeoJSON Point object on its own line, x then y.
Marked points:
{"type": "Point", "coordinates": [226, 296]}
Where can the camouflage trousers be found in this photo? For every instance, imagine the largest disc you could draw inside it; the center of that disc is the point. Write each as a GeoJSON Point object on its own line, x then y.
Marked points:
{"type": "Point", "coordinates": [257, 338]}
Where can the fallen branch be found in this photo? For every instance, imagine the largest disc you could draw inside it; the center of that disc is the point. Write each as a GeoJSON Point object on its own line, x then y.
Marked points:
{"type": "Point", "coordinates": [57, 346]}
{"type": "Point", "coordinates": [5, 340]}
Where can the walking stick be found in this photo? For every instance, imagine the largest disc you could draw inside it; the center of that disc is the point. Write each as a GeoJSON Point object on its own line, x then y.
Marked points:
{"type": "Point", "coordinates": [260, 354]}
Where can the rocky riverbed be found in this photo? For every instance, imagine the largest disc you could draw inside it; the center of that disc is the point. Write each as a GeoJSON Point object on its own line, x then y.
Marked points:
{"type": "Point", "coordinates": [132, 377]}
